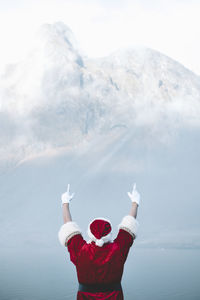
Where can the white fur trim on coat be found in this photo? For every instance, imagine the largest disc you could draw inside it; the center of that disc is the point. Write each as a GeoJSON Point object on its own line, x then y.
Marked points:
{"type": "Point", "coordinates": [104, 239]}
{"type": "Point", "coordinates": [130, 223]}
{"type": "Point", "coordinates": [68, 230]}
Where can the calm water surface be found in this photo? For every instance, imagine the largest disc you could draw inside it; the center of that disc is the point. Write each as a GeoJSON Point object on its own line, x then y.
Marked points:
{"type": "Point", "coordinates": [149, 274]}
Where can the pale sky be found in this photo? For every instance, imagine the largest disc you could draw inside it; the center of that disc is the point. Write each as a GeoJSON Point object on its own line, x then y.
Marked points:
{"type": "Point", "coordinates": [102, 26]}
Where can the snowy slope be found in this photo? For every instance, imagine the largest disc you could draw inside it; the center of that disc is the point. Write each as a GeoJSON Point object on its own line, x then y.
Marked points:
{"type": "Point", "coordinates": [148, 74]}
{"type": "Point", "coordinates": [57, 98]}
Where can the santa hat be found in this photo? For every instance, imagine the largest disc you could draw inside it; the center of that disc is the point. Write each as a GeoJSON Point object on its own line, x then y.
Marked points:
{"type": "Point", "coordinates": [99, 231]}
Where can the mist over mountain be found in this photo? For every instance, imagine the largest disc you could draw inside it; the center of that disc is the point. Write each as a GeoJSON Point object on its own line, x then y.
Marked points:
{"type": "Point", "coordinates": [99, 124]}
{"type": "Point", "coordinates": [56, 97]}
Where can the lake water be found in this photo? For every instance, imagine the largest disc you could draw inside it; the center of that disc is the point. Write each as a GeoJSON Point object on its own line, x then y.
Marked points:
{"type": "Point", "coordinates": [149, 274]}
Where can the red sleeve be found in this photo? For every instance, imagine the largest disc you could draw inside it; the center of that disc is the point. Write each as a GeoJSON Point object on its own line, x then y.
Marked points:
{"type": "Point", "coordinates": [74, 246]}
{"type": "Point", "coordinates": [124, 241]}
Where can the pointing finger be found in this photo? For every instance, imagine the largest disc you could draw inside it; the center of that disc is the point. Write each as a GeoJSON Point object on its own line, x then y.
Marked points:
{"type": "Point", "coordinates": [68, 186]}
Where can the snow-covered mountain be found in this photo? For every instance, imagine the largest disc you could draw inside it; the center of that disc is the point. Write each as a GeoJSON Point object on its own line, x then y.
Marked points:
{"type": "Point", "coordinates": [147, 74]}
{"type": "Point", "coordinates": [100, 125]}
{"type": "Point", "coordinates": [57, 97]}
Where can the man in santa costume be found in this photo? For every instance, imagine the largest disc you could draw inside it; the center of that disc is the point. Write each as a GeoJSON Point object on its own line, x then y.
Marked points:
{"type": "Point", "coordinates": [99, 262]}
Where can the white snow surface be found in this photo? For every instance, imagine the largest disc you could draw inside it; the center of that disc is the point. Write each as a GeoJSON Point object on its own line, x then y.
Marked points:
{"type": "Point", "coordinates": [57, 98]}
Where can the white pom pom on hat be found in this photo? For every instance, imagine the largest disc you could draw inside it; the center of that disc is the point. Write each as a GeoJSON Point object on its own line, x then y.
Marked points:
{"type": "Point", "coordinates": [100, 231]}
{"type": "Point", "coordinates": [99, 242]}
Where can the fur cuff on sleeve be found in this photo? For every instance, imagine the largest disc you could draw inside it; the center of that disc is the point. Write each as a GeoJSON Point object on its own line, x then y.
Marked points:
{"type": "Point", "coordinates": [129, 224]}
{"type": "Point", "coordinates": [68, 230]}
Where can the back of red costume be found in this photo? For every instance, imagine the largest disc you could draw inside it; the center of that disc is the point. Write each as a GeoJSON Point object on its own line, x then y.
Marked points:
{"type": "Point", "coordinates": [100, 265]}
{"type": "Point", "coordinates": [100, 262]}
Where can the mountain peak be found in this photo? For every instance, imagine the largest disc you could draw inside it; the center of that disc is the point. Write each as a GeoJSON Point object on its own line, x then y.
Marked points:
{"type": "Point", "coordinates": [56, 43]}
{"type": "Point", "coordinates": [56, 32]}
{"type": "Point", "coordinates": [67, 98]}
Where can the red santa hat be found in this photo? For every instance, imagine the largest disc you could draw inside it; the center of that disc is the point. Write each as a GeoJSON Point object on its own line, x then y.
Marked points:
{"type": "Point", "coordinates": [100, 231]}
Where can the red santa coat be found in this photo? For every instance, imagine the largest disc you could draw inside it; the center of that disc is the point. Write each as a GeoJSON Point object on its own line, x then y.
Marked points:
{"type": "Point", "coordinates": [100, 265]}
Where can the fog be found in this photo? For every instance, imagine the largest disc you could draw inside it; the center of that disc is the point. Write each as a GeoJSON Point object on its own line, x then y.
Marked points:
{"type": "Point", "coordinates": [100, 129]}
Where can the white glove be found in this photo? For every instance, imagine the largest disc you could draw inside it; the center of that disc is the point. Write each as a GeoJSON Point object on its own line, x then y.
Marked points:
{"type": "Point", "coordinates": [67, 197]}
{"type": "Point", "coordinates": [134, 196]}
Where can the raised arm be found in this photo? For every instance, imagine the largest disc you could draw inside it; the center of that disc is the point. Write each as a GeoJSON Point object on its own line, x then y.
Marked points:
{"type": "Point", "coordinates": [135, 198]}
{"type": "Point", "coordinates": [69, 229]}
{"type": "Point", "coordinates": [129, 222]}
{"type": "Point", "coordinates": [66, 198]}
{"type": "Point", "coordinates": [133, 210]}
{"type": "Point", "coordinates": [129, 225]}
{"type": "Point", "coordinates": [66, 213]}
